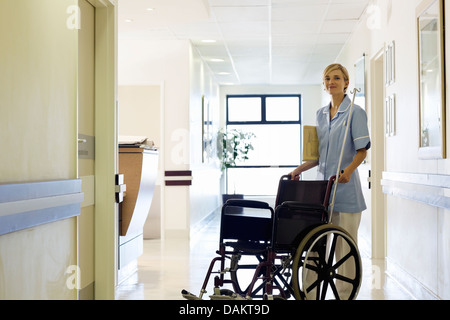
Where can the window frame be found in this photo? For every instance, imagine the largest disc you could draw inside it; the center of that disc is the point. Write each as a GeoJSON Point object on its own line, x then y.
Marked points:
{"type": "Point", "coordinates": [263, 109]}
{"type": "Point", "coordinates": [265, 122]}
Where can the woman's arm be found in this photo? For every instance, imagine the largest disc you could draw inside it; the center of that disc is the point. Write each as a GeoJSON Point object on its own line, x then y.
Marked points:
{"type": "Point", "coordinates": [345, 176]}
{"type": "Point", "coordinates": [295, 175]}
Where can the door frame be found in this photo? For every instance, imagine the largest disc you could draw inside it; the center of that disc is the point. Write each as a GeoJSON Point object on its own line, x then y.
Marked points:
{"type": "Point", "coordinates": [106, 150]}
{"type": "Point", "coordinates": [377, 89]}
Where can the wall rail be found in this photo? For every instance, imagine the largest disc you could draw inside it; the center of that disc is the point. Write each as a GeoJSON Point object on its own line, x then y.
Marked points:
{"type": "Point", "coordinates": [26, 205]}
{"type": "Point", "coordinates": [430, 189]}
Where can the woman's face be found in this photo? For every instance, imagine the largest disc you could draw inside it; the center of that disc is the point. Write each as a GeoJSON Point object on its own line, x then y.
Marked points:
{"type": "Point", "coordinates": [335, 83]}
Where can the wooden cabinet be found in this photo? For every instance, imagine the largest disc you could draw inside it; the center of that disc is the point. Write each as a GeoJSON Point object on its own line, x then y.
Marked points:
{"type": "Point", "coordinates": [140, 169]}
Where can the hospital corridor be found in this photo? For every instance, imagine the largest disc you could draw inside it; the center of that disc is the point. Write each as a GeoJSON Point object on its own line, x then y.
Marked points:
{"type": "Point", "coordinates": [127, 125]}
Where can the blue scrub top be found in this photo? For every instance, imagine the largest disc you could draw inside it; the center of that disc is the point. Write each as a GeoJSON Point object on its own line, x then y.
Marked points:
{"type": "Point", "coordinates": [349, 197]}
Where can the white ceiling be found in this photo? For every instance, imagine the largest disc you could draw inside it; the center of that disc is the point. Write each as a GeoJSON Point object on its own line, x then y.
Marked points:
{"type": "Point", "coordinates": [261, 42]}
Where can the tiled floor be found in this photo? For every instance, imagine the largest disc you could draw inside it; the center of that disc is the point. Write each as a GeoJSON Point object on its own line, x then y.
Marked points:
{"type": "Point", "coordinates": [167, 267]}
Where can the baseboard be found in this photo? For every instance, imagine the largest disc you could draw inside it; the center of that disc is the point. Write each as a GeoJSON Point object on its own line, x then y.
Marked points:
{"type": "Point", "coordinates": [413, 286]}
{"type": "Point", "coordinates": [87, 293]}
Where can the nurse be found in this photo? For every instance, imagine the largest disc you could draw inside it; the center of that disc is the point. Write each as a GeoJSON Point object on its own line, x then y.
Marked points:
{"type": "Point", "coordinates": [331, 125]}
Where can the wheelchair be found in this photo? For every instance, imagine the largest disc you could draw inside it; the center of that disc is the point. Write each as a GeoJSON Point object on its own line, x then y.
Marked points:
{"type": "Point", "coordinates": [287, 252]}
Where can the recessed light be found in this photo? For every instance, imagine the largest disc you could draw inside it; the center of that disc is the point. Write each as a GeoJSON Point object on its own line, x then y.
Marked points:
{"type": "Point", "coordinates": [216, 60]}
{"type": "Point", "coordinates": [150, 9]}
{"type": "Point", "coordinates": [224, 73]}
{"type": "Point", "coordinates": [128, 20]}
{"type": "Point", "coordinates": [209, 41]}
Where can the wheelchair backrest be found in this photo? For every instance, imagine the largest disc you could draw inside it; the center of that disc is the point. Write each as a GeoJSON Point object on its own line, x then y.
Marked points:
{"type": "Point", "coordinates": [307, 192]}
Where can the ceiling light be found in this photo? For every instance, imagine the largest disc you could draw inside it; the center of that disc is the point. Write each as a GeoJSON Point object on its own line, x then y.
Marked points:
{"type": "Point", "coordinates": [209, 41]}
{"type": "Point", "coordinates": [224, 73]}
{"type": "Point", "coordinates": [150, 9]}
{"type": "Point", "coordinates": [128, 20]}
{"type": "Point", "coordinates": [216, 60]}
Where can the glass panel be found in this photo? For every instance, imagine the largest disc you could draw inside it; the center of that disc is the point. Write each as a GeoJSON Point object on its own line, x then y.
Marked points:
{"type": "Point", "coordinates": [274, 145]}
{"type": "Point", "coordinates": [282, 109]}
{"type": "Point", "coordinates": [244, 109]}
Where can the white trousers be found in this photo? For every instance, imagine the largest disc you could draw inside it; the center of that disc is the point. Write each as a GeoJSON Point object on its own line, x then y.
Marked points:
{"type": "Point", "coordinates": [348, 221]}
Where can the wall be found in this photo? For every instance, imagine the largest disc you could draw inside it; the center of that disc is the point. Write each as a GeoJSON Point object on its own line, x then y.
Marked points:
{"type": "Point", "coordinates": [418, 240]}
{"type": "Point", "coordinates": [38, 115]}
{"type": "Point", "coordinates": [205, 189]}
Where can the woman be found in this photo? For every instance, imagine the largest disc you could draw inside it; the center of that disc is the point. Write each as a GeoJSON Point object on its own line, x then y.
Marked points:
{"type": "Point", "coordinates": [331, 125]}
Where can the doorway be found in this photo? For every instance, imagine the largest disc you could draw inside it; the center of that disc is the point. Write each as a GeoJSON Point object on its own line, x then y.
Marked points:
{"type": "Point", "coordinates": [86, 147]}
{"type": "Point", "coordinates": [106, 151]}
{"type": "Point", "coordinates": [378, 220]}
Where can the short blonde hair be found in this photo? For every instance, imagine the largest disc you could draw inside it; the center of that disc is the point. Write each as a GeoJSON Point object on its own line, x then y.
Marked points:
{"type": "Point", "coordinates": [334, 67]}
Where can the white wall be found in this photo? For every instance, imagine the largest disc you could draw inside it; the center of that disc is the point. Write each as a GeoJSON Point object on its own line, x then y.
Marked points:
{"type": "Point", "coordinates": [418, 239]}
{"type": "Point", "coordinates": [205, 189]}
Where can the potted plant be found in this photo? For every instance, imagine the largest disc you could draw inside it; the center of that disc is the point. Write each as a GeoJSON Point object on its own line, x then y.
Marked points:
{"type": "Point", "coordinates": [233, 146]}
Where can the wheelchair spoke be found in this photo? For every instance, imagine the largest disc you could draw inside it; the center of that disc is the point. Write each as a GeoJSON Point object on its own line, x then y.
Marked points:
{"type": "Point", "coordinates": [334, 289]}
{"type": "Point", "coordinates": [312, 268]}
{"type": "Point", "coordinates": [313, 285]}
{"type": "Point", "coordinates": [324, 290]}
{"type": "Point", "coordinates": [332, 251]}
{"type": "Point", "coordinates": [344, 259]}
{"type": "Point", "coordinates": [345, 279]}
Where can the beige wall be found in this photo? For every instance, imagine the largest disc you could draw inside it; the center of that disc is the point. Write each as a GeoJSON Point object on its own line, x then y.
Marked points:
{"type": "Point", "coordinates": [139, 111]}
{"type": "Point", "coordinates": [38, 89]}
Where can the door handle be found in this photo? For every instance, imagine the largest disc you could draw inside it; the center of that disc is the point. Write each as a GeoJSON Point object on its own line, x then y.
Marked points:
{"type": "Point", "coordinates": [120, 187]}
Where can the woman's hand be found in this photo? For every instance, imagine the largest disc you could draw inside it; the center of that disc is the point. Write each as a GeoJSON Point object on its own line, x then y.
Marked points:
{"type": "Point", "coordinates": [346, 174]}
{"type": "Point", "coordinates": [344, 177]}
{"type": "Point", "coordinates": [294, 176]}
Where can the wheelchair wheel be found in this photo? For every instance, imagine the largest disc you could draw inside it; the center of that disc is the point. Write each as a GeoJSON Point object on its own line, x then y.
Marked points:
{"type": "Point", "coordinates": [242, 269]}
{"type": "Point", "coordinates": [327, 265]}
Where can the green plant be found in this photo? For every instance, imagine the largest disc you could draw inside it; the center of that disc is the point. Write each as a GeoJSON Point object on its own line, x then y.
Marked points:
{"type": "Point", "coordinates": [233, 145]}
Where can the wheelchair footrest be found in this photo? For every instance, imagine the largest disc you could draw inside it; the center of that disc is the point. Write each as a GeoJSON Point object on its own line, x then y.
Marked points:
{"type": "Point", "coordinates": [225, 294]}
{"type": "Point", "coordinates": [189, 296]}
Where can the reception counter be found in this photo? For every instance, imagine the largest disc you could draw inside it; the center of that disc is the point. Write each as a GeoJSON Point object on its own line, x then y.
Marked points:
{"type": "Point", "coordinates": [140, 168]}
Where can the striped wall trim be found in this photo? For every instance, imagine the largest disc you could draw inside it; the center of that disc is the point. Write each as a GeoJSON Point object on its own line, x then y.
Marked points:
{"type": "Point", "coordinates": [430, 189]}
{"type": "Point", "coordinates": [27, 205]}
{"type": "Point", "coordinates": [178, 178]}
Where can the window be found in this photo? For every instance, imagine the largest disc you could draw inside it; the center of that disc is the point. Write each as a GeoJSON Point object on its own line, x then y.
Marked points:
{"type": "Point", "coordinates": [276, 122]}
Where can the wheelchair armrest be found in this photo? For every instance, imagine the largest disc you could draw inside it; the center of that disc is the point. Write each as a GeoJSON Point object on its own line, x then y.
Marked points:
{"type": "Point", "coordinates": [247, 204]}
